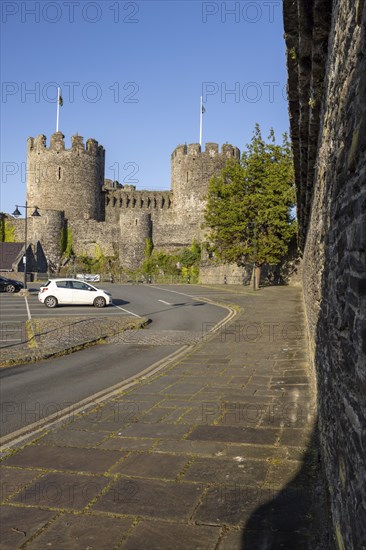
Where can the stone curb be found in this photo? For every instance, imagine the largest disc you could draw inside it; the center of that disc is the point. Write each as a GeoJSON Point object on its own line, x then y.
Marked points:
{"type": "Point", "coordinates": [36, 355]}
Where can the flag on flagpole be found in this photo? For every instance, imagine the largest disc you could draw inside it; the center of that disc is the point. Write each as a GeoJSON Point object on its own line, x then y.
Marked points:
{"type": "Point", "coordinates": [202, 110]}
{"type": "Point", "coordinates": [60, 102]}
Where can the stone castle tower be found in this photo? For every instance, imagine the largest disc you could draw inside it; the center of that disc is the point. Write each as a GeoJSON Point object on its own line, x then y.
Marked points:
{"type": "Point", "coordinates": [66, 179]}
{"type": "Point", "coordinates": [69, 188]}
{"type": "Point", "coordinates": [191, 171]}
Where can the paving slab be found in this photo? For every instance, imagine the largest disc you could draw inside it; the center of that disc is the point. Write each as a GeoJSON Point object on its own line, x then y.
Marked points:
{"type": "Point", "coordinates": [155, 499]}
{"type": "Point", "coordinates": [70, 532]}
{"type": "Point", "coordinates": [233, 504]}
{"type": "Point", "coordinates": [235, 470]}
{"type": "Point", "coordinates": [189, 447]}
{"type": "Point", "coordinates": [159, 536]}
{"type": "Point", "coordinates": [18, 525]}
{"type": "Point", "coordinates": [12, 480]}
{"type": "Point", "coordinates": [235, 434]}
{"type": "Point", "coordinates": [61, 491]}
{"type": "Point", "coordinates": [64, 458]}
{"type": "Point", "coordinates": [163, 466]}
{"type": "Point", "coordinates": [73, 438]}
{"type": "Point", "coordinates": [156, 431]}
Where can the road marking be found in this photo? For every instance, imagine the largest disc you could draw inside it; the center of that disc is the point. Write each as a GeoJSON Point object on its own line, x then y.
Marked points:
{"type": "Point", "coordinates": [174, 291]}
{"type": "Point", "coordinates": [13, 318]}
{"type": "Point", "coordinates": [164, 302]}
{"type": "Point", "coordinates": [126, 310]}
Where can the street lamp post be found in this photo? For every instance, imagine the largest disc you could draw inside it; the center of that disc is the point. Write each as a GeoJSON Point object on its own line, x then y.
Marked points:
{"type": "Point", "coordinates": [16, 214]}
{"type": "Point", "coordinates": [255, 254]}
{"type": "Point", "coordinates": [255, 257]}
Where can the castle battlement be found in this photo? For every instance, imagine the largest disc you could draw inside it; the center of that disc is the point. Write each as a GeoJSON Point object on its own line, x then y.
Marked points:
{"type": "Point", "coordinates": [143, 200]}
{"type": "Point", "coordinates": [57, 144]}
{"type": "Point", "coordinates": [211, 151]}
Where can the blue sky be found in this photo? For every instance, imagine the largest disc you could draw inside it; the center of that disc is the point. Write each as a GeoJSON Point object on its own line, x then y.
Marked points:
{"type": "Point", "coordinates": [132, 74]}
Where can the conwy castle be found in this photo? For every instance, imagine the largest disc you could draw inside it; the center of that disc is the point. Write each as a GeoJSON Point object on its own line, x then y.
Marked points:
{"type": "Point", "coordinates": [69, 189]}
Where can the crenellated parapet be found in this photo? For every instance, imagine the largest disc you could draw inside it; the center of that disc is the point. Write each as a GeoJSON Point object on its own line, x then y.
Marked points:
{"type": "Point", "coordinates": [38, 145]}
{"type": "Point", "coordinates": [143, 200]}
{"type": "Point", "coordinates": [193, 150]}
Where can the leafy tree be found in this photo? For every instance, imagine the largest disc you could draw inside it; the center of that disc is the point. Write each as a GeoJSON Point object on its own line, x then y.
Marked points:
{"type": "Point", "coordinates": [7, 230]}
{"type": "Point", "coordinates": [249, 205]}
{"type": "Point", "coordinates": [184, 263]}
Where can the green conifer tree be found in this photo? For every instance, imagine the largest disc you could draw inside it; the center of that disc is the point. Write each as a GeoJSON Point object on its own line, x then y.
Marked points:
{"type": "Point", "coordinates": [249, 205]}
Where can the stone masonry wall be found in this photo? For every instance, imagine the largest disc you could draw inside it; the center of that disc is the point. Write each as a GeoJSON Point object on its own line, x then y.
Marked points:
{"type": "Point", "coordinates": [326, 47]}
{"type": "Point", "coordinates": [230, 274]}
{"type": "Point", "coordinates": [90, 237]}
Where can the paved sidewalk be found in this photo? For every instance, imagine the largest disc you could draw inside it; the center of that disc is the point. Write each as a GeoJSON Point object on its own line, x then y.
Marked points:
{"type": "Point", "coordinates": [218, 452]}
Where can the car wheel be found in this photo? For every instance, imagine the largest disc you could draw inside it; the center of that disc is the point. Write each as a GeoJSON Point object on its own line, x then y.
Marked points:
{"type": "Point", "coordinates": [10, 288]}
{"type": "Point", "coordinates": [99, 302]}
{"type": "Point", "coordinates": [50, 301]}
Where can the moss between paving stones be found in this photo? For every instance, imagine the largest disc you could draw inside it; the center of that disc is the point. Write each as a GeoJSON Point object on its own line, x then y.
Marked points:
{"type": "Point", "coordinates": [62, 336]}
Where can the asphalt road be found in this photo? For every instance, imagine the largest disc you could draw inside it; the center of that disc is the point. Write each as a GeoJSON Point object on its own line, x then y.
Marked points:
{"type": "Point", "coordinates": [32, 392]}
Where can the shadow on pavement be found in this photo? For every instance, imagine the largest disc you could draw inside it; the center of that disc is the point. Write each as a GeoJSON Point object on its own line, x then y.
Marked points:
{"type": "Point", "coordinates": [296, 517]}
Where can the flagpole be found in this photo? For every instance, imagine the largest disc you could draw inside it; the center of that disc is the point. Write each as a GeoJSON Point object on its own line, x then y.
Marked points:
{"type": "Point", "coordinates": [201, 121]}
{"type": "Point", "coordinates": [58, 108]}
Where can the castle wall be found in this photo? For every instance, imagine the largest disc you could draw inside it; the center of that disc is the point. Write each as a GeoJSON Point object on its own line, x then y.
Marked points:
{"type": "Point", "coordinates": [326, 44]}
{"type": "Point", "coordinates": [90, 238]}
{"type": "Point", "coordinates": [119, 201]}
{"type": "Point", "coordinates": [66, 179]}
{"type": "Point", "coordinates": [169, 231]}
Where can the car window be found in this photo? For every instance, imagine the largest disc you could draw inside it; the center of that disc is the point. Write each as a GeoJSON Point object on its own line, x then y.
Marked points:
{"type": "Point", "coordinates": [63, 284]}
{"type": "Point", "coordinates": [80, 286]}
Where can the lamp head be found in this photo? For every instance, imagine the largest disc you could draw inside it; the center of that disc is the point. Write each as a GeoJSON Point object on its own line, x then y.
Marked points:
{"type": "Point", "coordinates": [36, 214]}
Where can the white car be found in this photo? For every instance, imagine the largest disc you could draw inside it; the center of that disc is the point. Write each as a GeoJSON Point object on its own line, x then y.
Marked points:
{"type": "Point", "coordinates": [72, 292]}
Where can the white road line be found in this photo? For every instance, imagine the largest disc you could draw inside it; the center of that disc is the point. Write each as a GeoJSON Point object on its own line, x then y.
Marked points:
{"type": "Point", "coordinates": [174, 291]}
{"type": "Point", "coordinates": [71, 314]}
{"type": "Point", "coordinates": [126, 310]}
{"type": "Point", "coordinates": [164, 302]}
